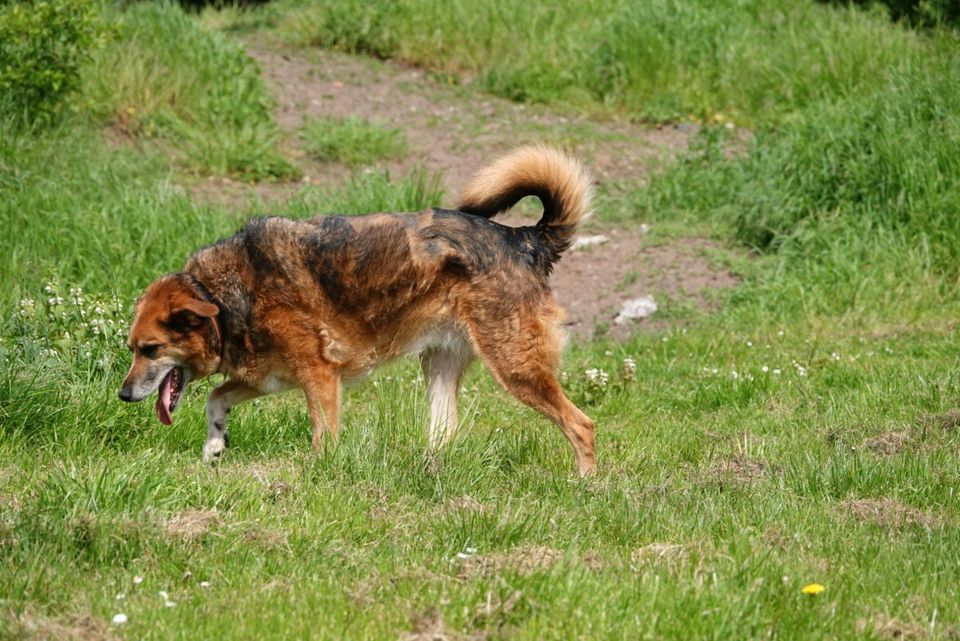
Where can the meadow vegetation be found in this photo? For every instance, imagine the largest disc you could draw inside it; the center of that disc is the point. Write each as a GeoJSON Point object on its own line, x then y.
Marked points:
{"type": "Point", "coordinates": [352, 141]}
{"type": "Point", "coordinates": [802, 433]}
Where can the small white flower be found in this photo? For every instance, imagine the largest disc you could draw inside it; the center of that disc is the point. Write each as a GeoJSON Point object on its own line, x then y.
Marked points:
{"type": "Point", "coordinates": [163, 595]}
{"type": "Point", "coordinates": [764, 369]}
{"type": "Point", "coordinates": [734, 375]}
{"type": "Point", "coordinates": [119, 619]}
{"type": "Point", "coordinates": [170, 604]}
{"type": "Point", "coordinates": [120, 596]}
{"type": "Point", "coordinates": [470, 550]}
{"type": "Point", "coordinates": [780, 333]}
{"type": "Point", "coordinates": [776, 372]}
{"type": "Point", "coordinates": [597, 377]}
{"type": "Point", "coordinates": [749, 344]}
{"type": "Point", "coordinates": [204, 584]}
{"type": "Point", "coordinates": [137, 580]}
{"type": "Point", "coordinates": [835, 356]}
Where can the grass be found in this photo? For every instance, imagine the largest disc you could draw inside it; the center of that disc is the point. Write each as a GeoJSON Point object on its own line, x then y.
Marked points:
{"type": "Point", "coordinates": [800, 434]}
{"type": "Point", "coordinates": [163, 77]}
{"type": "Point", "coordinates": [750, 61]}
{"type": "Point", "coordinates": [352, 141]}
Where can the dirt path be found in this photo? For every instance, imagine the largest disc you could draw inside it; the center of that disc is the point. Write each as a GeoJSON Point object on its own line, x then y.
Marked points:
{"type": "Point", "coordinates": [454, 130]}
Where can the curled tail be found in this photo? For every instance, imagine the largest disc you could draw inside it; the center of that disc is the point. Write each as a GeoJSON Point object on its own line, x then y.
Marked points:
{"type": "Point", "coordinates": [561, 183]}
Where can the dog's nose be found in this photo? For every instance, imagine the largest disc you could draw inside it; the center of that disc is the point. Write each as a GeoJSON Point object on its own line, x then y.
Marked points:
{"type": "Point", "coordinates": [126, 394]}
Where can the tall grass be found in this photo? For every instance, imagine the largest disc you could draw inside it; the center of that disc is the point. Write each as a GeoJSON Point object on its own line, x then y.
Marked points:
{"type": "Point", "coordinates": [163, 76]}
{"type": "Point", "coordinates": [750, 60]}
{"type": "Point", "coordinates": [859, 199]}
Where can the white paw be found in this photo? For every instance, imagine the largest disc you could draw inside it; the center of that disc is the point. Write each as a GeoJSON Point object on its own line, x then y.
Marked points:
{"type": "Point", "coordinates": [213, 448]}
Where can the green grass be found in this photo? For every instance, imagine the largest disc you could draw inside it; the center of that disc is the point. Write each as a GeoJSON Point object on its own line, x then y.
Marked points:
{"type": "Point", "coordinates": [855, 202]}
{"type": "Point", "coordinates": [796, 435]}
{"type": "Point", "coordinates": [163, 77]}
{"type": "Point", "coordinates": [746, 60]}
{"type": "Point", "coordinates": [352, 141]}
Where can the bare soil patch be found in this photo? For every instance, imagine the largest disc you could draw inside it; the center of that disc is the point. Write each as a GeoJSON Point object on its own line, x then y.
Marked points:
{"type": "Point", "coordinates": [591, 284]}
{"type": "Point", "coordinates": [430, 626]}
{"type": "Point", "coordinates": [889, 444]}
{"type": "Point", "coordinates": [887, 627]}
{"type": "Point", "coordinates": [66, 628]}
{"type": "Point", "coordinates": [888, 513]}
{"type": "Point", "coordinates": [525, 559]}
{"type": "Point", "coordinates": [945, 421]}
{"type": "Point", "coordinates": [193, 524]}
{"type": "Point", "coordinates": [452, 130]}
{"type": "Point", "coordinates": [737, 470]}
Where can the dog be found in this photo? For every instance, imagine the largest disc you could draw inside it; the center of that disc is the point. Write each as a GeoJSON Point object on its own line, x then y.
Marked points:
{"type": "Point", "coordinates": [313, 304]}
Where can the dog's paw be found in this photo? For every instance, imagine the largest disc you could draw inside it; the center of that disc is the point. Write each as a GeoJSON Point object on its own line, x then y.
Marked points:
{"type": "Point", "coordinates": [212, 449]}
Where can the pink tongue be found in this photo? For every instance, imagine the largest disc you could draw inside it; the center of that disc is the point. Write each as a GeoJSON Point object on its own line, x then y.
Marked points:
{"type": "Point", "coordinates": [163, 399]}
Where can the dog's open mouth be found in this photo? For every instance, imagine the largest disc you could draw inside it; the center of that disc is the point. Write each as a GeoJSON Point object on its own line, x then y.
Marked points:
{"type": "Point", "coordinates": [169, 394]}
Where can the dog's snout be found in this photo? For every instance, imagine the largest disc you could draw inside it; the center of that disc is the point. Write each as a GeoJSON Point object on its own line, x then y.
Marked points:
{"type": "Point", "coordinates": [126, 394]}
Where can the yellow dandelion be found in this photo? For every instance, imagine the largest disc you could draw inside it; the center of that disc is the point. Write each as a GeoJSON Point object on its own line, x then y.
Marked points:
{"type": "Point", "coordinates": [812, 589]}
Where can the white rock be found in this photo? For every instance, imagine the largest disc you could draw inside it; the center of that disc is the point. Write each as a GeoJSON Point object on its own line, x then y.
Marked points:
{"type": "Point", "coordinates": [636, 309]}
{"type": "Point", "coordinates": [587, 241]}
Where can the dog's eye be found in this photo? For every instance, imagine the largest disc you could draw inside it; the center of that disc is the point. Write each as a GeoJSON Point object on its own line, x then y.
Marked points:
{"type": "Point", "coordinates": [149, 351]}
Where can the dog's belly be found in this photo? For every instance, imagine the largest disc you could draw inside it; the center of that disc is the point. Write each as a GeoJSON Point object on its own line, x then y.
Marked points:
{"type": "Point", "coordinates": [445, 337]}
{"type": "Point", "coordinates": [274, 384]}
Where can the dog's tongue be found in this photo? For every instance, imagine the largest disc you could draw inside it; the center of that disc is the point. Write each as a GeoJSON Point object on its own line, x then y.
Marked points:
{"type": "Point", "coordinates": [163, 399]}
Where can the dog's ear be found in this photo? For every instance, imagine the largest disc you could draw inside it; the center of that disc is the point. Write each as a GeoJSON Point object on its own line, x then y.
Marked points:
{"type": "Point", "coordinates": [199, 307]}
{"type": "Point", "coordinates": [190, 313]}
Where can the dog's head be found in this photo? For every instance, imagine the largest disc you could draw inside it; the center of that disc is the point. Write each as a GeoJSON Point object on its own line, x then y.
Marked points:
{"type": "Point", "coordinates": [174, 339]}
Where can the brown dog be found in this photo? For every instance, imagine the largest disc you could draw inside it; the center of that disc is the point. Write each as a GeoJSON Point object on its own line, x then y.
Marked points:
{"type": "Point", "coordinates": [312, 303]}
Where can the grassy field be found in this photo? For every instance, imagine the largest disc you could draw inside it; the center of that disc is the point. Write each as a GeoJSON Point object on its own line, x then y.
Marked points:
{"type": "Point", "coordinates": [802, 433]}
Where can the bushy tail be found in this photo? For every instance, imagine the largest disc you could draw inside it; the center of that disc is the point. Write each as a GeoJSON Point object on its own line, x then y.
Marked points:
{"type": "Point", "coordinates": [560, 182]}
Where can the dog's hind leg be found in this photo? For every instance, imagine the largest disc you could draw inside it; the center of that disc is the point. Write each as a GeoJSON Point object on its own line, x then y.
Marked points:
{"type": "Point", "coordinates": [522, 353]}
{"type": "Point", "coordinates": [443, 367]}
{"type": "Point", "coordinates": [321, 386]}
{"type": "Point", "coordinates": [219, 403]}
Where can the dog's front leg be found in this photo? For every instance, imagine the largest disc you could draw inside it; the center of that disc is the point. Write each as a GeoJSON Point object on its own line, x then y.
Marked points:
{"type": "Point", "coordinates": [321, 386]}
{"type": "Point", "coordinates": [221, 400]}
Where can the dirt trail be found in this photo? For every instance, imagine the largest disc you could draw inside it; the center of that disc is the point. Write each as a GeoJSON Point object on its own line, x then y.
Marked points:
{"type": "Point", "coordinates": [454, 130]}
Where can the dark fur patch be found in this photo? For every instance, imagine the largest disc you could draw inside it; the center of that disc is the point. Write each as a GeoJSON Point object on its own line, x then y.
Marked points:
{"type": "Point", "coordinates": [328, 247]}
{"type": "Point", "coordinates": [480, 244]}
